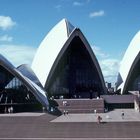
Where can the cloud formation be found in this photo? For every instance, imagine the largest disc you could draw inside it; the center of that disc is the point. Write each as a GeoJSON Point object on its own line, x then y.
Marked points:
{"type": "Point", "coordinates": [109, 66]}
{"type": "Point", "coordinates": [6, 38]}
{"type": "Point", "coordinates": [6, 22]}
{"type": "Point", "coordinates": [97, 14]}
{"type": "Point", "coordinates": [98, 52]}
{"type": "Point", "coordinates": [58, 7]}
{"type": "Point", "coordinates": [22, 54]}
{"type": "Point", "coordinates": [18, 54]}
{"type": "Point", "coordinates": [76, 3]}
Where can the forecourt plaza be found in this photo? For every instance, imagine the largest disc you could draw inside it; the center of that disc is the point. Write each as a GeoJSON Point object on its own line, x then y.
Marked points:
{"type": "Point", "coordinates": [31, 98]}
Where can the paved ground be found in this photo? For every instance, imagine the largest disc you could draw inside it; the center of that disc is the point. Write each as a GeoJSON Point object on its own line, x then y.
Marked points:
{"type": "Point", "coordinates": [112, 116]}
{"type": "Point", "coordinates": [44, 127]}
{"type": "Point", "coordinates": [25, 114]}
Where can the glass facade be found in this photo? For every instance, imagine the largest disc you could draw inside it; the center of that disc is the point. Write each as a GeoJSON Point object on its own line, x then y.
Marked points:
{"type": "Point", "coordinates": [134, 80]}
{"type": "Point", "coordinates": [136, 85]}
{"type": "Point", "coordinates": [75, 75]}
{"type": "Point", "coordinates": [13, 94]}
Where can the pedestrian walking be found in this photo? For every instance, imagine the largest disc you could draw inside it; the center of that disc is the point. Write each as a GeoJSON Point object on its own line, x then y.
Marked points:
{"type": "Point", "coordinates": [67, 112]}
{"type": "Point", "coordinates": [99, 118]}
{"type": "Point", "coordinates": [64, 112]}
{"type": "Point", "coordinates": [122, 114]}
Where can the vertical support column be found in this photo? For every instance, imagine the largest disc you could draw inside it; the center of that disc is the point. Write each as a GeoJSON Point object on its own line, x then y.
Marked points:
{"type": "Point", "coordinates": [137, 103]}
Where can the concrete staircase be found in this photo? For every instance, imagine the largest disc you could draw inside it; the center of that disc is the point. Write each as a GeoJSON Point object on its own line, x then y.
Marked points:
{"type": "Point", "coordinates": [81, 105]}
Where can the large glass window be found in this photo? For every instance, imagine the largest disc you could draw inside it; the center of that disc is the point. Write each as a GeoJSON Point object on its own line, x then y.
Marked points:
{"type": "Point", "coordinates": [75, 75]}
{"type": "Point", "coordinates": [14, 94]}
{"type": "Point", "coordinates": [134, 80]}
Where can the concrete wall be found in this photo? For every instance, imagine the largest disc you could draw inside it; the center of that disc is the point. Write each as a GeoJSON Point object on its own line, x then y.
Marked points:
{"type": "Point", "coordinates": [118, 98]}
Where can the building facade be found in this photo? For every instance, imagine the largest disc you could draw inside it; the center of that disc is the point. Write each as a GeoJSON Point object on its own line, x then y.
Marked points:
{"type": "Point", "coordinates": [17, 91]}
{"type": "Point", "coordinates": [129, 73]}
{"type": "Point", "coordinates": [66, 65]}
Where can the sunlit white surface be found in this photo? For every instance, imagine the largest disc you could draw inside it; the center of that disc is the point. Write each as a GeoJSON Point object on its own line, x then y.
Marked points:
{"type": "Point", "coordinates": [129, 58]}
{"type": "Point", "coordinates": [54, 46]}
{"type": "Point", "coordinates": [36, 91]}
{"type": "Point", "coordinates": [49, 50]}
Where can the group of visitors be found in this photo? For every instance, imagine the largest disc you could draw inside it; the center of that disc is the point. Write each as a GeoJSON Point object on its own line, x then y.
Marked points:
{"type": "Point", "coordinates": [65, 112]}
{"type": "Point", "coordinates": [99, 118]}
{"type": "Point", "coordinates": [9, 110]}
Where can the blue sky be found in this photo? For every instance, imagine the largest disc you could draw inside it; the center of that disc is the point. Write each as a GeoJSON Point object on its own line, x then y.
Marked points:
{"type": "Point", "coordinates": [108, 25]}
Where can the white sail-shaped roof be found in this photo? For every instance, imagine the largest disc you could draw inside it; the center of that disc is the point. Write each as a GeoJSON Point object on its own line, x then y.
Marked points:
{"type": "Point", "coordinates": [128, 62]}
{"type": "Point", "coordinates": [54, 46]}
{"type": "Point", "coordinates": [28, 72]}
{"type": "Point", "coordinates": [37, 91]}
{"type": "Point", "coordinates": [50, 48]}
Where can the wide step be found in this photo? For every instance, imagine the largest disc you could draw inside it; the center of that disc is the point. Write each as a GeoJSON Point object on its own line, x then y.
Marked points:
{"type": "Point", "coordinates": [81, 105]}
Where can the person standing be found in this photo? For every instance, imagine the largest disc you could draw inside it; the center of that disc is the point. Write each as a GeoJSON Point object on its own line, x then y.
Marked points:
{"type": "Point", "coordinates": [99, 118]}
{"type": "Point", "coordinates": [122, 114]}
{"type": "Point", "coordinates": [64, 112]}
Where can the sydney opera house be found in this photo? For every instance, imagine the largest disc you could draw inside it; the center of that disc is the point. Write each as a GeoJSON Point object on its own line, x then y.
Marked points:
{"type": "Point", "coordinates": [129, 74]}
{"type": "Point", "coordinates": [65, 70]}
{"type": "Point", "coordinates": [66, 65]}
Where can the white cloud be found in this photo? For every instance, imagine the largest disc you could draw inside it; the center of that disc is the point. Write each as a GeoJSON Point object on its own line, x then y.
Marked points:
{"type": "Point", "coordinates": [6, 38]}
{"type": "Point", "coordinates": [58, 7]}
{"type": "Point", "coordinates": [18, 54]}
{"type": "Point", "coordinates": [97, 14]}
{"type": "Point", "coordinates": [76, 3]}
{"type": "Point", "coordinates": [110, 68]}
{"type": "Point", "coordinates": [6, 22]}
{"type": "Point", "coordinates": [98, 52]}
{"type": "Point", "coordinates": [21, 54]}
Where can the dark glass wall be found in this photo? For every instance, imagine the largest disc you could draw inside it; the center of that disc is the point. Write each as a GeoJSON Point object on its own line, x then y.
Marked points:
{"type": "Point", "coordinates": [75, 75]}
{"type": "Point", "coordinates": [134, 80]}
{"type": "Point", "coordinates": [13, 94]}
